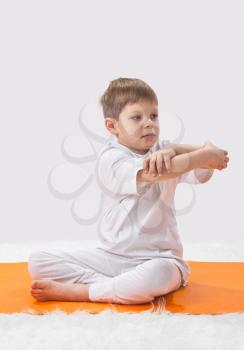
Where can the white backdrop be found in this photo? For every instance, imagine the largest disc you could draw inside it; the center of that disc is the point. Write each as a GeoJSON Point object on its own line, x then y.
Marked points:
{"type": "Point", "coordinates": [57, 56]}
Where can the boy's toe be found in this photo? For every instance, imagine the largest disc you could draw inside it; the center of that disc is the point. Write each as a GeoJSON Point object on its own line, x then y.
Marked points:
{"type": "Point", "coordinates": [34, 284]}
{"type": "Point", "coordinates": [39, 284]}
{"type": "Point", "coordinates": [36, 291]}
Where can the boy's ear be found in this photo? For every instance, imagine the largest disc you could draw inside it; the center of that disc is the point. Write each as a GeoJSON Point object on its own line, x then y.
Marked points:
{"type": "Point", "coordinates": [111, 125]}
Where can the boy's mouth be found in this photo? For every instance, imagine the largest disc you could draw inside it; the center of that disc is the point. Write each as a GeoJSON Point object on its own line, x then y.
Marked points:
{"type": "Point", "coordinates": [149, 135]}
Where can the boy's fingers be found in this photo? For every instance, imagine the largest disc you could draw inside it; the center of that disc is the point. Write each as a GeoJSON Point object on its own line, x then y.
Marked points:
{"type": "Point", "coordinates": [145, 165]}
{"type": "Point", "coordinates": [167, 162]}
{"type": "Point", "coordinates": [152, 166]}
{"type": "Point", "coordinates": [160, 165]}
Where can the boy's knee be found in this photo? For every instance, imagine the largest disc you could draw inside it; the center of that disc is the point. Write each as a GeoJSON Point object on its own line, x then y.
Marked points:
{"type": "Point", "coordinates": [34, 263]}
{"type": "Point", "coordinates": [40, 255]}
{"type": "Point", "coordinates": [159, 274]}
{"type": "Point", "coordinates": [157, 267]}
{"type": "Point", "coordinates": [35, 255]}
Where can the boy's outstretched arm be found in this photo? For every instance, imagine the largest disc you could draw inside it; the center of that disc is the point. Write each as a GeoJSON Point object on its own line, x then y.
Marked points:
{"type": "Point", "coordinates": [207, 157]}
{"type": "Point", "coordinates": [203, 175]}
{"type": "Point", "coordinates": [186, 148]}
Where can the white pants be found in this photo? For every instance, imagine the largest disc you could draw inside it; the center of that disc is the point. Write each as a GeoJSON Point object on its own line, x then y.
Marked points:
{"type": "Point", "coordinates": [111, 278]}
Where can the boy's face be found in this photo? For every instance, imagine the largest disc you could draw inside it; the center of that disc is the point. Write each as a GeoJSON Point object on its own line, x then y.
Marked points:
{"type": "Point", "coordinates": [135, 121]}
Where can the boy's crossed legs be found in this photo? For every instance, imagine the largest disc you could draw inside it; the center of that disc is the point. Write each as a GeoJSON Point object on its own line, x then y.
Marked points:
{"type": "Point", "coordinates": [94, 275]}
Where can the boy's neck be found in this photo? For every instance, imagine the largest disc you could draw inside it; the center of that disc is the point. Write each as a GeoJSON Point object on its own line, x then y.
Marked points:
{"type": "Point", "coordinates": [131, 149]}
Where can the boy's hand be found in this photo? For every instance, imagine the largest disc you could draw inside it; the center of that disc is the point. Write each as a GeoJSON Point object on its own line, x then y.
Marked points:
{"type": "Point", "coordinates": [158, 162]}
{"type": "Point", "coordinates": [215, 157]}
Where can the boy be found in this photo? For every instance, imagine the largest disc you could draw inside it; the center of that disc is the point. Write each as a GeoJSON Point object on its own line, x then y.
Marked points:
{"type": "Point", "coordinates": [140, 255]}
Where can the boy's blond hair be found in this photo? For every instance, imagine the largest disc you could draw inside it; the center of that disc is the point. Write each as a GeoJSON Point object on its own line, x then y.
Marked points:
{"type": "Point", "coordinates": [122, 91]}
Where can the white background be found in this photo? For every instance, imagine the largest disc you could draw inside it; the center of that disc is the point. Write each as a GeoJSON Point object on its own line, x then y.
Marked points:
{"type": "Point", "coordinates": [57, 56]}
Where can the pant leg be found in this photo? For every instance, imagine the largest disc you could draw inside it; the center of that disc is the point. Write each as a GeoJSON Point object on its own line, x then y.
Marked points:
{"type": "Point", "coordinates": [72, 266]}
{"type": "Point", "coordinates": [105, 274]}
{"type": "Point", "coordinates": [139, 285]}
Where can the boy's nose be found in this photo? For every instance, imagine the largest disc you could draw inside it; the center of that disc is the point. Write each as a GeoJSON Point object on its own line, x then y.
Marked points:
{"type": "Point", "coordinates": [149, 121]}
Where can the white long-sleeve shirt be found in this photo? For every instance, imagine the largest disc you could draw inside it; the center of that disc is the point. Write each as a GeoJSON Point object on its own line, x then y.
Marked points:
{"type": "Point", "coordinates": [138, 219]}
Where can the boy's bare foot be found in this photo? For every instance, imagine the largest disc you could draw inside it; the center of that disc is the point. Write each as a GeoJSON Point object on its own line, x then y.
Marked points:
{"type": "Point", "coordinates": [45, 290]}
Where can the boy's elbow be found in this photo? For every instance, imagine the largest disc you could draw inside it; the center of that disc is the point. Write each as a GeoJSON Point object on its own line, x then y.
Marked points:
{"type": "Point", "coordinates": [203, 175]}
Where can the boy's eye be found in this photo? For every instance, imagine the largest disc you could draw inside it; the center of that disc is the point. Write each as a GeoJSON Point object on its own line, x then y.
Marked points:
{"type": "Point", "coordinates": [138, 117]}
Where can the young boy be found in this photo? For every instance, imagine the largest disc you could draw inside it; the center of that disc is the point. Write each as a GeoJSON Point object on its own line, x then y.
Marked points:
{"type": "Point", "coordinates": [140, 255]}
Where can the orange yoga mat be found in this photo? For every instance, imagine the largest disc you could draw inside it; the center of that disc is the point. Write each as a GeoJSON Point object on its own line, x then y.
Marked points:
{"type": "Point", "coordinates": [214, 288]}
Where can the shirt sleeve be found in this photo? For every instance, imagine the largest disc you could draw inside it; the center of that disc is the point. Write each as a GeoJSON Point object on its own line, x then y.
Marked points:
{"type": "Point", "coordinates": [196, 176]}
{"type": "Point", "coordinates": [116, 174]}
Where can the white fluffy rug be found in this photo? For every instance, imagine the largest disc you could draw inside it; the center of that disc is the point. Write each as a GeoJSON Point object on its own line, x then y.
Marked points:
{"type": "Point", "coordinates": [109, 330]}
